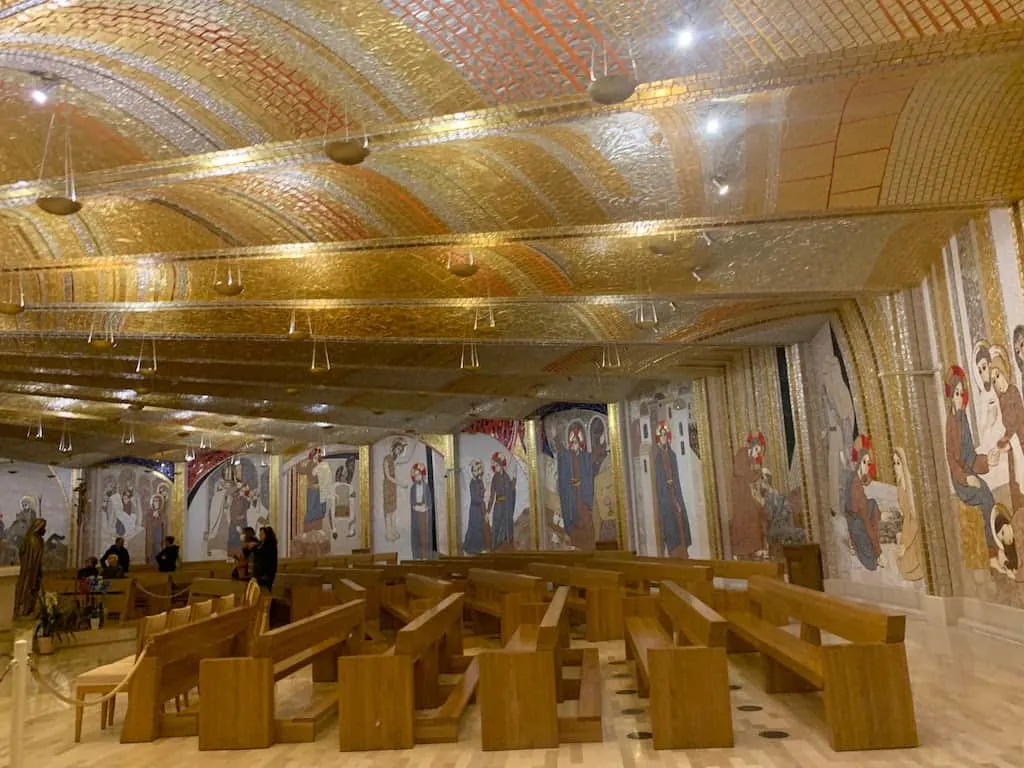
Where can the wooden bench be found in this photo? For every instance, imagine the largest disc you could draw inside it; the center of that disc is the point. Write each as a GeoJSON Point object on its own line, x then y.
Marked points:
{"type": "Point", "coordinates": [171, 668]}
{"type": "Point", "coordinates": [640, 576]}
{"type": "Point", "coordinates": [371, 580]}
{"type": "Point", "coordinates": [406, 599]}
{"type": "Point", "coordinates": [522, 685]}
{"type": "Point", "coordinates": [152, 592]}
{"type": "Point", "coordinates": [237, 706]}
{"type": "Point", "coordinates": [501, 596]}
{"type": "Point", "coordinates": [398, 698]}
{"type": "Point", "coordinates": [688, 686]}
{"type": "Point", "coordinates": [596, 593]}
{"type": "Point", "coordinates": [205, 588]}
{"type": "Point", "coordinates": [865, 682]}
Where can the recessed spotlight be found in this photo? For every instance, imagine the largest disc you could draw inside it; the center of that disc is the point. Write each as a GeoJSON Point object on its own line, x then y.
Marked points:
{"type": "Point", "coordinates": [39, 96]}
{"type": "Point", "coordinates": [721, 185]}
{"type": "Point", "coordinates": [713, 126]}
{"type": "Point", "coordinates": [687, 37]}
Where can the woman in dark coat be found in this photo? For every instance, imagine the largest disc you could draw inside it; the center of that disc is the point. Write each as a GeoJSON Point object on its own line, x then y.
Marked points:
{"type": "Point", "coordinates": [264, 558]}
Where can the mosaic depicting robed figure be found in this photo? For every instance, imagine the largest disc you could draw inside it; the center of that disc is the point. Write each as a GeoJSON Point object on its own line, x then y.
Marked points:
{"type": "Point", "coordinates": [676, 537]}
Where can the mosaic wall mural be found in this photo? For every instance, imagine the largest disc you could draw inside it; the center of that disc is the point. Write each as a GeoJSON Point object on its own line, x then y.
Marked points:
{"type": "Point", "coordinates": [130, 499]}
{"type": "Point", "coordinates": [30, 491]}
{"type": "Point", "coordinates": [666, 474]}
{"type": "Point", "coordinates": [410, 498]}
{"type": "Point", "coordinates": [226, 493]}
{"type": "Point", "coordinates": [494, 487]}
{"type": "Point", "coordinates": [320, 509]}
{"type": "Point", "coordinates": [578, 484]}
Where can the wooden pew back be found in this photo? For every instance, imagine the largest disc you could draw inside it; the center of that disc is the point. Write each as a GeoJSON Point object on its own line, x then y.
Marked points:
{"type": "Point", "coordinates": [698, 623]}
{"type": "Point", "coordinates": [695, 579]}
{"type": "Point", "coordinates": [553, 627]}
{"type": "Point", "coordinates": [427, 629]}
{"type": "Point", "coordinates": [204, 588]}
{"type": "Point", "coordinates": [332, 626]}
{"type": "Point", "coordinates": [427, 587]}
{"type": "Point", "coordinates": [550, 572]}
{"type": "Point", "coordinates": [851, 621]}
{"type": "Point", "coordinates": [499, 582]}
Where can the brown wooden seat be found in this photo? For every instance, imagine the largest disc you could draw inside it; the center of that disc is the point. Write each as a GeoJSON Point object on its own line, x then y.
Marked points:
{"type": "Point", "coordinates": [404, 600]}
{"type": "Point", "coordinates": [397, 698]}
{"type": "Point", "coordinates": [522, 684]}
{"type": "Point", "coordinates": [865, 682]}
{"type": "Point", "coordinates": [237, 706]}
{"type": "Point", "coordinates": [501, 595]}
{"type": "Point", "coordinates": [678, 644]}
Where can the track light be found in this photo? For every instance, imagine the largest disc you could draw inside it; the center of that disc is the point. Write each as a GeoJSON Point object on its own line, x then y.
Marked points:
{"type": "Point", "coordinates": [720, 184]}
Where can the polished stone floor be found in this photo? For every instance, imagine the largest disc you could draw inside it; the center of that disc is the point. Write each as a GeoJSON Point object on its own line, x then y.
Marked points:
{"type": "Point", "coordinates": [968, 690]}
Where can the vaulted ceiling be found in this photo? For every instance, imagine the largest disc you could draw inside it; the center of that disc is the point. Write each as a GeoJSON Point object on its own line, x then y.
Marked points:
{"type": "Point", "coordinates": [854, 137]}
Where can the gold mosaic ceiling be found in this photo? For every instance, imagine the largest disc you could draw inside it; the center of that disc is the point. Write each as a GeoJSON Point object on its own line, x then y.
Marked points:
{"type": "Point", "coordinates": [854, 136]}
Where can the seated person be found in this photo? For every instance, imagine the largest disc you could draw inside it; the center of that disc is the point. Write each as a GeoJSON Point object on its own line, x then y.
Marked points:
{"type": "Point", "coordinates": [167, 558]}
{"type": "Point", "coordinates": [112, 568]}
{"type": "Point", "coordinates": [91, 569]}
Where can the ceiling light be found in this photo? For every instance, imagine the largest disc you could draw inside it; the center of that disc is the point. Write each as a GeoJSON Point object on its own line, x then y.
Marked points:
{"type": "Point", "coordinates": [321, 363]}
{"type": "Point", "coordinates": [696, 276]}
{"type": "Point", "coordinates": [470, 360]}
{"type": "Point", "coordinates": [712, 126]}
{"type": "Point", "coordinates": [687, 37]}
{"type": "Point", "coordinates": [146, 364]}
{"type": "Point", "coordinates": [39, 96]}
{"type": "Point", "coordinates": [705, 238]}
{"type": "Point", "coordinates": [721, 185]}
{"type": "Point", "coordinates": [190, 454]}
{"type": "Point", "coordinates": [318, 408]}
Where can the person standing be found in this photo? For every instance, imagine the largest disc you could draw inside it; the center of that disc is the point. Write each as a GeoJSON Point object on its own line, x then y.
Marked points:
{"type": "Point", "coordinates": [167, 558]}
{"type": "Point", "coordinates": [264, 558]}
{"type": "Point", "coordinates": [30, 579]}
{"type": "Point", "coordinates": [118, 548]}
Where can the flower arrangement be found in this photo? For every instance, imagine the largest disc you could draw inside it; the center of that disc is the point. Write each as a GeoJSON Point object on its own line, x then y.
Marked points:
{"type": "Point", "coordinates": [52, 620]}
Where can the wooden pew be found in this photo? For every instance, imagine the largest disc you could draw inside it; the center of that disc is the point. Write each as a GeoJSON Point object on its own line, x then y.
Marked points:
{"type": "Point", "coordinates": [640, 575]}
{"type": "Point", "coordinates": [300, 592]}
{"type": "Point", "coordinates": [152, 592]}
{"type": "Point", "coordinates": [237, 708]}
{"type": "Point", "coordinates": [416, 593]}
{"type": "Point", "coordinates": [202, 589]}
{"type": "Point", "coordinates": [596, 593]}
{"type": "Point", "coordinates": [522, 685]}
{"type": "Point", "coordinates": [865, 682]}
{"type": "Point", "coordinates": [398, 698]}
{"type": "Point", "coordinates": [502, 596]}
{"type": "Point", "coordinates": [171, 668]}
{"type": "Point", "coordinates": [688, 686]}
{"type": "Point", "coordinates": [370, 579]}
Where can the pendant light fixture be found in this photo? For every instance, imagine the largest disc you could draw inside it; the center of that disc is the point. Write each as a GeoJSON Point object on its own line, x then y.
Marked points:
{"type": "Point", "coordinates": [146, 364]}
{"type": "Point", "coordinates": [230, 284]}
{"type": "Point", "coordinates": [67, 203]}
{"type": "Point", "coordinates": [15, 303]}
{"type": "Point", "coordinates": [298, 330]}
{"type": "Point", "coordinates": [321, 362]}
{"type": "Point", "coordinates": [483, 319]}
{"type": "Point", "coordinates": [128, 434]}
{"type": "Point", "coordinates": [470, 360]}
{"type": "Point", "coordinates": [101, 334]}
{"type": "Point", "coordinates": [645, 316]}
{"type": "Point", "coordinates": [190, 453]}
{"type": "Point", "coordinates": [349, 151]}
{"type": "Point", "coordinates": [611, 87]}
{"type": "Point", "coordinates": [462, 268]}
{"type": "Point", "coordinates": [36, 432]}
{"type": "Point", "coordinates": [610, 357]}
{"type": "Point", "coordinates": [64, 446]}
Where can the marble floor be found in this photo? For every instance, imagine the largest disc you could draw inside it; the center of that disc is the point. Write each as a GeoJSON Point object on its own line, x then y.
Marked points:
{"type": "Point", "coordinates": [968, 691]}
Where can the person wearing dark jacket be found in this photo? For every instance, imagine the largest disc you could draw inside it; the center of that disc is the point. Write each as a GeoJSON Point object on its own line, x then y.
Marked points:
{"type": "Point", "coordinates": [167, 558]}
{"type": "Point", "coordinates": [264, 558]}
{"type": "Point", "coordinates": [112, 568]}
{"type": "Point", "coordinates": [118, 548]}
{"type": "Point", "coordinates": [243, 561]}
{"type": "Point", "coordinates": [91, 569]}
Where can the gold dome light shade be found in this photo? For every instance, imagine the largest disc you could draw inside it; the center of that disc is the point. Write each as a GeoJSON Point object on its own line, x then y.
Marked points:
{"type": "Point", "coordinates": [462, 268]}
{"type": "Point", "coordinates": [11, 308]}
{"type": "Point", "coordinates": [297, 330]}
{"type": "Point", "coordinates": [15, 303]}
{"type": "Point", "coordinates": [231, 283]}
{"type": "Point", "coordinates": [59, 205]}
{"type": "Point", "coordinates": [348, 152]}
{"type": "Point", "coordinates": [101, 343]}
{"type": "Point", "coordinates": [292, 391]}
{"type": "Point", "coordinates": [146, 364]}
{"type": "Point", "coordinates": [612, 89]}
{"type": "Point", "coordinates": [142, 390]}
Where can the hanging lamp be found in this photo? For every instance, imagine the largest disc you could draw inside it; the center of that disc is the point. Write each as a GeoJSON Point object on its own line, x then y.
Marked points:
{"type": "Point", "coordinates": [298, 330]}
{"type": "Point", "coordinates": [611, 87]}
{"type": "Point", "coordinates": [102, 337]}
{"type": "Point", "coordinates": [146, 365]}
{"type": "Point", "coordinates": [321, 362]}
{"type": "Point", "coordinates": [483, 319]}
{"type": "Point", "coordinates": [15, 303]}
{"type": "Point", "coordinates": [64, 446]}
{"type": "Point", "coordinates": [470, 360]}
{"type": "Point", "coordinates": [36, 432]}
{"type": "Point", "coordinates": [231, 283]}
{"type": "Point", "coordinates": [462, 268]}
{"type": "Point", "coordinates": [348, 151]}
{"type": "Point", "coordinates": [66, 204]}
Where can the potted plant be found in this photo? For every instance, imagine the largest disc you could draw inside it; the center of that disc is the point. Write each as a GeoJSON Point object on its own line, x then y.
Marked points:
{"type": "Point", "coordinates": [53, 623]}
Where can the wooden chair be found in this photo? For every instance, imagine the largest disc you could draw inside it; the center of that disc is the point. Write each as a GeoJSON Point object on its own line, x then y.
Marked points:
{"type": "Point", "coordinates": [237, 707]}
{"type": "Point", "coordinates": [865, 682]}
{"type": "Point", "coordinates": [688, 686]}
{"type": "Point", "coordinates": [395, 699]}
{"type": "Point", "coordinates": [102, 680]}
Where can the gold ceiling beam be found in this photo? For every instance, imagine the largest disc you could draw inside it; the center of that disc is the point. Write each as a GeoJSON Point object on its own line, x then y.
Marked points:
{"type": "Point", "coordinates": [855, 62]}
{"type": "Point", "coordinates": [618, 231]}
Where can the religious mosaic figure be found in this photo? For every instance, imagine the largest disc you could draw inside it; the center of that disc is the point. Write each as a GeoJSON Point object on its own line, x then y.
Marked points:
{"type": "Point", "coordinates": [910, 558]}
{"type": "Point", "coordinates": [30, 577]}
{"type": "Point", "coordinates": [671, 509]}
{"type": "Point", "coordinates": [318, 522]}
{"type": "Point", "coordinates": [863, 516]}
{"type": "Point", "coordinates": [966, 467]}
{"type": "Point", "coordinates": [840, 417]}
{"type": "Point", "coordinates": [747, 526]}
{"type": "Point", "coordinates": [501, 507]}
{"type": "Point", "coordinates": [216, 534]}
{"type": "Point", "coordinates": [1011, 408]}
{"type": "Point", "coordinates": [477, 535]}
{"type": "Point", "coordinates": [421, 506]}
{"type": "Point", "coordinates": [156, 523]}
{"type": "Point", "coordinates": [986, 408]}
{"type": "Point", "coordinates": [390, 487]}
{"type": "Point", "coordinates": [576, 487]}
{"type": "Point", "coordinates": [1008, 562]}
{"type": "Point", "coordinates": [778, 507]}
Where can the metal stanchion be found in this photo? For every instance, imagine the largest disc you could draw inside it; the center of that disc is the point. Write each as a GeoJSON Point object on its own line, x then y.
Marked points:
{"type": "Point", "coordinates": [19, 698]}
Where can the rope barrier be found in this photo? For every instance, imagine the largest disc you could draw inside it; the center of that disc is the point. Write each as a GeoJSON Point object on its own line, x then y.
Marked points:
{"type": "Point", "coordinates": [77, 703]}
{"type": "Point", "coordinates": [10, 665]}
{"type": "Point", "coordinates": [171, 596]}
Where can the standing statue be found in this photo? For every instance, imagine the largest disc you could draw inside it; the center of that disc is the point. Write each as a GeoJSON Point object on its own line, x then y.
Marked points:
{"type": "Point", "coordinates": [30, 579]}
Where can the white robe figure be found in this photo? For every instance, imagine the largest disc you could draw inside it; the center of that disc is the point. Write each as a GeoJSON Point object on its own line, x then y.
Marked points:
{"type": "Point", "coordinates": [217, 518]}
{"type": "Point", "coordinates": [113, 512]}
